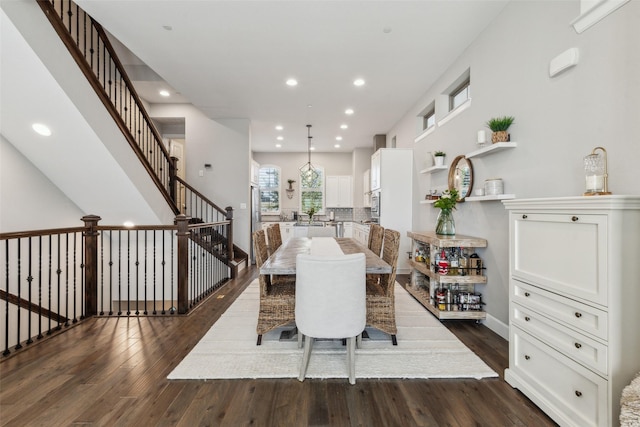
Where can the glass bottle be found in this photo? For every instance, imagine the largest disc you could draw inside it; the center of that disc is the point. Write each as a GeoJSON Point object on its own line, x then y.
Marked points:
{"type": "Point", "coordinates": [454, 262]}
{"type": "Point", "coordinates": [463, 263]}
{"type": "Point", "coordinates": [443, 263]}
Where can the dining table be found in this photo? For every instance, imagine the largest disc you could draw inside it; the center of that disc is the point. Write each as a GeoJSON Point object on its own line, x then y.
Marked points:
{"type": "Point", "coordinates": [283, 260]}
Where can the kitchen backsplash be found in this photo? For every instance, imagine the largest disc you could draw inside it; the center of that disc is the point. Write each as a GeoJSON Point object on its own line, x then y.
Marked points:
{"type": "Point", "coordinates": [340, 214]}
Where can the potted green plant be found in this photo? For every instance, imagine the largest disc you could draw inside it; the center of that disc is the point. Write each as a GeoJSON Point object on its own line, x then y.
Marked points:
{"type": "Point", "coordinates": [438, 158]}
{"type": "Point", "coordinates": [499, 127]}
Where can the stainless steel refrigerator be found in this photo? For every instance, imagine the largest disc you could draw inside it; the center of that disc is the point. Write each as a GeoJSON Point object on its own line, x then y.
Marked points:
{"type": "Point", "coordinates": [255, 217]}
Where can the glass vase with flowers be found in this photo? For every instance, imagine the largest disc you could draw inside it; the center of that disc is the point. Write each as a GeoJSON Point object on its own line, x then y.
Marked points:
{"type": "Point", "coordinates": [445, 223]}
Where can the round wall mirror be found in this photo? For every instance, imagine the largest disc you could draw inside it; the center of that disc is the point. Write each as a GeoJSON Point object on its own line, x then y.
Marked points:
{"type": "Point", "coordinates": [461, 177]}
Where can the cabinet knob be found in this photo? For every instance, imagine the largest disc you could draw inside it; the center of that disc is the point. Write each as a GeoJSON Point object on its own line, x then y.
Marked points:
{"type": "Point", "coordinates": [527, 318]}
{"type": "Point", "coordinates": [527, 357]}
{"type": "Point", "coordinates": [578, 314]}
{"type": "Point", "coordinates": [578, 345]}
{"type": "Point", "coordinates": [524, 217]}
{"type": "Point", "coordinates": [526, 294]}
{"type": "Point", "coordinates": [574, 218]}
{"type": "Point", "coordinates": [578, 393]}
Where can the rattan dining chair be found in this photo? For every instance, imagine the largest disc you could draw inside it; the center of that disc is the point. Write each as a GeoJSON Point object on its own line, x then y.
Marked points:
{"type": "Point", "coordinates": [277, 295]}
{"type": "Point", "coordinates": [274, 236]}
{"type": "Point", "coordinates": [376, 236]}
{"type": "Point", "coordinates": [381, 310]}
{"type": "Point", "coordinates": [330, 302]}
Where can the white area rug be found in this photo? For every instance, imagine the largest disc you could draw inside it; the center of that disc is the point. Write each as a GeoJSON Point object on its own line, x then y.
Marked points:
{"type": "Point", "coordinates": [426, 349]}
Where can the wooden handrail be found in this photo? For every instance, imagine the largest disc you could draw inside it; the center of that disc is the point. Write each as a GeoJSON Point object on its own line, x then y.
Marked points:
{"type": "Point", "coordinates": [63, 32]}
{"type": "Point", "coordinates": [200, 195]}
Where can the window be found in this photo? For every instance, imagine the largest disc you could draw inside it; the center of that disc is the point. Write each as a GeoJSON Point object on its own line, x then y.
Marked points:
{"type": "Point", "coordinates": [269, 183]}
{"type": "Point", "coordinates": [312, 189]}
{"type": "Point", "coordinates": [460, 95]}
{"type": "Point", "coordinates": [429, 119]}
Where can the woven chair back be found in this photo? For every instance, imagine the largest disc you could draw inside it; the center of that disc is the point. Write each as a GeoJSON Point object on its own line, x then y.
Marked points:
{"type": "Point", "coordinates": [376, 236]}
{"type": "Point", "coordinates": [274, 236]}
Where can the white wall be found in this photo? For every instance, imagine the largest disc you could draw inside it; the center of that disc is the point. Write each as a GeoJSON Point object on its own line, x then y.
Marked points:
{"type": "Point", "coordinates": [558, 120]}
{"type": "Point", "coordinates": [290, 163]}
{"type": "Point", "coordinates": [226, 146]}
{"type": "Point", "coordinates": [30, 200]}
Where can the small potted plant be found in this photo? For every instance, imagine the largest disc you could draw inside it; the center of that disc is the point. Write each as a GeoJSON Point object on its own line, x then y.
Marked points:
{"type": "Point", "coordinates": [499, 127]}
{"type": "Point", "coordinates": [438, 158]}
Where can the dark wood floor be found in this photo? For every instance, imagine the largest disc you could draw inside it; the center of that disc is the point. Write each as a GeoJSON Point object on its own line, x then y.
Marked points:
{"type": "Point", "coordinates": [113, 372]}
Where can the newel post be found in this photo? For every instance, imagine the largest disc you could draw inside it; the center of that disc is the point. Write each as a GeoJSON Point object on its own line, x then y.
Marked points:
{"type": "Point", "coordinates": [173, 173]}
{"type": "Point", "coordinates": [182, 221]}
{"type": "Point", "coordinates": [91, 234]}
{"type": "Point", "coordinates": [229, 210]}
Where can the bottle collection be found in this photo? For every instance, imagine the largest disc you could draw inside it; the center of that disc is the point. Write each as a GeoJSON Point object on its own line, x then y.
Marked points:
{"type": "Point", "coordinates": [454, 261]}
{"type": "Point", "coordinates": [450, 261]}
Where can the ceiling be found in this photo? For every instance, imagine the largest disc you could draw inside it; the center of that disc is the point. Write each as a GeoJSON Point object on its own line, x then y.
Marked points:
{"type": "Point", "coordinates": [231, 60]}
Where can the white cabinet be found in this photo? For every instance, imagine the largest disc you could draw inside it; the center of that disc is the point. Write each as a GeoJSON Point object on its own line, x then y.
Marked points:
{"type": "Point", "coordinates": [366, 185]}
{"type": "Point", "coordinates": [375, 170]}
{"type": "Point", "coordinates": [348, 229]}
{"type": "Point", "coordinates": [573, 303]}
{"type": "Point", "coordinates": [255, 172]}
{"type": "Point", "coordinates": [361, 233]}
{"type": "Point", "coordinates": [339, 192]}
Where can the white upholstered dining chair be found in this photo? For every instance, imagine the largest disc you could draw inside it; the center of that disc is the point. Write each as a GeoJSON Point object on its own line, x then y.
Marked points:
{"type": "Point", "coordinates": [330, 302]}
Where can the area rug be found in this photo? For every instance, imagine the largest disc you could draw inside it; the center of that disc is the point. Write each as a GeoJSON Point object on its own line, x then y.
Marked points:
{"type": "Point", "coordinates": [426, 349]}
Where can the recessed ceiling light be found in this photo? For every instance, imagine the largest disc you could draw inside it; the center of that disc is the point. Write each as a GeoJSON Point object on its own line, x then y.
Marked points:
{"type": "Point", "coordinates": [337, 146]}
{"type": "Point", "coordinates": [128, 224]}
{"type": "Point", "coordinates": [167, 27]}
{"type": "Point", "coordinates": [278, 145]}
{"type": "Point", "coordinates": [279, 127]}
{"type": "Point", "coordinates": [338, 138]}
{"type": "Point", "coordinates": [344, 127]}
{"type": "Point", "coordinates": [292, 82]}
{"type": "Point", "coordinates": [280, 138]}
{"type": "Point", "coordinates": [313, 149]}
{"type": "Point", "coordinates": [164, 93]}
{"type": "Point", "coordinates": [358, 82]}
{"type": "Point", "coordinates": [386, 30]}
{"type": "Point", "coordinates": [349, 111]}
{"type": "Point", "coordinates": [41, 129]}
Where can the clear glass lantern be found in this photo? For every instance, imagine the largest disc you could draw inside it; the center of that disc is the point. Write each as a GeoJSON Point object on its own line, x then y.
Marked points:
{"type": "Point", "coordinates": [595, 170]}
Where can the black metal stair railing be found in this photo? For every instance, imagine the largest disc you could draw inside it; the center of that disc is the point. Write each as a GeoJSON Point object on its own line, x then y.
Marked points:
{"type": "Point", "coordinates": [52, 279]}
{"type": "Point", "coordinates": [89, 45]}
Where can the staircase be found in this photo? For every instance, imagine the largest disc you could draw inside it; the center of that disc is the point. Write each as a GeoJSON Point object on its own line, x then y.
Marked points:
{"type": "Point", "coordinates": [91, 49]}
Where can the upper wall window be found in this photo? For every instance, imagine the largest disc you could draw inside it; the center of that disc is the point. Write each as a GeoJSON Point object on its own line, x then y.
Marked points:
{"type": "Point", "coordinates": [460, 95]}
{"type": "Point", "coordinates": [429, 119]}
{"type": "Point", "coordinates": [269, 183]}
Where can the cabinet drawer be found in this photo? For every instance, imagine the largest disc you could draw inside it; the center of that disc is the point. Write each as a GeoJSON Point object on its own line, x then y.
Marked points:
{"type": "Point", "coordinates": [578, 347]}
{"type": "Point", "coordinates": [564, 253]}
{"type": "Point", "coordinates": [582, 317]}
{"type": "Point", "coordinates": [562, 384]}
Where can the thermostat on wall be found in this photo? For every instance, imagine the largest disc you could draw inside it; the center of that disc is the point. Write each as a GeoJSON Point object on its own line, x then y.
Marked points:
{"type": "Point", "coordinates": [565, 60]}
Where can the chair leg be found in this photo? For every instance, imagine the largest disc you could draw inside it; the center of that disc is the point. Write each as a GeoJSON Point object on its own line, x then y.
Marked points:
{"type": "Point", "coordinates": [359, 341]}
{"type": "Point", "coordinates": [259, 339]}
{"type": "Point", "coordinates": [300, 338]}
{"type": "Point", "coordinates": [308, 343]}
{"type": "Point", "coordinates": [394, 341]}
{"type": "Point", "coordinates": [351, 358]}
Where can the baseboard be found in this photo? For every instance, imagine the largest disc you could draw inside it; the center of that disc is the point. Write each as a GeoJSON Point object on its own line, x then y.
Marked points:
{"type": "Point", "coordinates": [497, 326]}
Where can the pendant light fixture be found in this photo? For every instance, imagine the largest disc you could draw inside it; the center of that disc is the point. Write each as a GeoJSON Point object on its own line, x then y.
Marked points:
{"type": "Point", "coordinates": [308, 172]}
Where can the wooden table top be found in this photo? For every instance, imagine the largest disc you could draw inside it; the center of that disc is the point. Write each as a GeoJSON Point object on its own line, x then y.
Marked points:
{"type": "Point", "coordinates": [283, 261]}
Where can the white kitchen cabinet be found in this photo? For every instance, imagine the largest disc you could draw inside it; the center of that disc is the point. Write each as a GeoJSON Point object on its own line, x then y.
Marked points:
{"type": "Point", "coordinates": [339, 192]}
{"type": "Point", "coordinates": [255, 172]}
{"type": "Point", "coordinates": [361, 233]}
{"type": "Point", "coordinates": [366, 185]}
{"type": "Point", "coordinates": [348, 229]}
{"type": "Point", "coordinates": [573, 303]}
{"type": "Point", "coordinates": [375, 170]}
